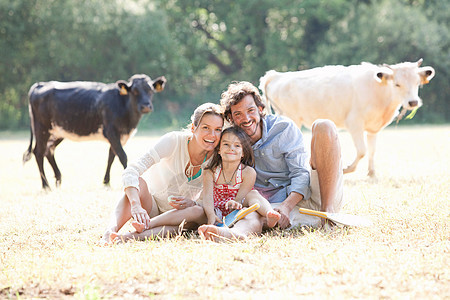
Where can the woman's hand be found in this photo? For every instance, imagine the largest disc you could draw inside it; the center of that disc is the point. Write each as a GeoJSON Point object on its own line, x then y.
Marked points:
{"type": "Point", "coordinates": [232, 205]}
{"type": "Point", "coordinates": [181, 202]}
{"type": "Point", "coordinates": [137, 212]}
{"type": "Point", "coordinates": [140, 215]}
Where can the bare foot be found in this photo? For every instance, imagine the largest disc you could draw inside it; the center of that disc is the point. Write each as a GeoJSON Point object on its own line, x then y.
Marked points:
{"type": "Point", "coordinates": [138, 226]}
{"type": "Point", "coordinates": [272, 218]}
{"type": "Point", "coordinates": [103, 242]}
{"type": "Point", "coordinates": [216, 234]}
{"type": "Point", "coordinates": [115, 238]}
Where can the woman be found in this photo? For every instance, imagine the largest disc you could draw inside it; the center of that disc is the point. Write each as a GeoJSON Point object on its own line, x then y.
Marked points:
{"type": "Point", "coordinates": [174, 167]}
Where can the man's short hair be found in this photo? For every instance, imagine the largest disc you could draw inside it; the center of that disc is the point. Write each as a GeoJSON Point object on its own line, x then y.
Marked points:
{"type": "Point", "coordinates": [234, 94]}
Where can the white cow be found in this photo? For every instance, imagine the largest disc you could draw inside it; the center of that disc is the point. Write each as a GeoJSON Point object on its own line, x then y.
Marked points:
{"type": "Point", "coordinates": [360, 98]}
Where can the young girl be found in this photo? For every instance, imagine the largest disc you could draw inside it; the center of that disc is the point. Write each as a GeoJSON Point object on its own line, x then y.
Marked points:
{"type": "Point", "coordinates": [229, 177]}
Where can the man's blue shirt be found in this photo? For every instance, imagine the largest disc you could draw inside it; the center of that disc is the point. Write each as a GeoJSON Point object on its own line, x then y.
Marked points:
{"type": "Point", "coordinates": [281, 162]}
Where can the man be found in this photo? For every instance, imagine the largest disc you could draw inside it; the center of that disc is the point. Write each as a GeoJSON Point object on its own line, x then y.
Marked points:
{"type": "Point", "coordinates": [281, 164]}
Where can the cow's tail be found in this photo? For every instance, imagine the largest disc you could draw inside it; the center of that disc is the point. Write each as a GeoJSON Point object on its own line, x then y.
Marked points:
{"type": "Point", "coordinates": [263, 82]}
{"type": "Point", "coordinates": [27, 155]}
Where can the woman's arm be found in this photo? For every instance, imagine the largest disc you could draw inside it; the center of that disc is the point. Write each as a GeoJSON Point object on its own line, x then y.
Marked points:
{"type": "Point", "coordinates": [163, 148]}
{"type": "Point", "coordinates": [138, 213]}
{"type": "Point", "coordinates": [131, 175]}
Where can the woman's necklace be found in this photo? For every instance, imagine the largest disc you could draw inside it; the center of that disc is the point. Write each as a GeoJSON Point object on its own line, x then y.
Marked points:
{"type": "Point", "coordinates": [191, 168]}
{"type": "Point", "coordinates": [231, 179]}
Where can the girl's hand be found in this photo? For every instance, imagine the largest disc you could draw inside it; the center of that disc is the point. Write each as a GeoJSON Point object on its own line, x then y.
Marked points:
{"type": "Point", "coordinates": [213, 219]}
{"type": "Point", "coordinates": [232, 205]}
{"type": "Point", "coordinates": [181, 202]}
{"type": "Point", "coordinates": [140, 215]}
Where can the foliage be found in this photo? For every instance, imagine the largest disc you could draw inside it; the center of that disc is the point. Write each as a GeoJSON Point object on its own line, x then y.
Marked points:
{"type": "Point", "coordinates": [225, 38]}
{"type": "Point", "coordinates": [399, 32]}
{"type": "Point", "coordinates": [92, 40]}
{"type": "Point", "coordinates": [202, 45]}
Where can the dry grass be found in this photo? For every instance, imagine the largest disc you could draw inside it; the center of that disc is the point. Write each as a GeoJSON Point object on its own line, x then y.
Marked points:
{"type": "Point", "coordinates": [47, 243]}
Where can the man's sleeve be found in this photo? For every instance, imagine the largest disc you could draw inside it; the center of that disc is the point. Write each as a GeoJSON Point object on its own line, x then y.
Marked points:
{"type": "Point", "coordinates": [297, 160]}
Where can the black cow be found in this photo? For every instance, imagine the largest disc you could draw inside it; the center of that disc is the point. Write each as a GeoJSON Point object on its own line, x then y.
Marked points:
{"type": "Point", "coordinates": [87, 110]}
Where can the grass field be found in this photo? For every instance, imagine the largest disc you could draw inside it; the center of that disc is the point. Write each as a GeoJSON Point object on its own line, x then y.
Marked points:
{"type": "Point", "coordinates": [47, 241]}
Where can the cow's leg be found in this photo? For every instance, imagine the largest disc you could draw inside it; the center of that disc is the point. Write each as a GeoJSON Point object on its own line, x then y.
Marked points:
{"type": "Point", "coordinates": [117, 149]}
{"type": "Point", "coordinates": [114, 139]}
{"type": "Point", "coordinates": [121, 154]}
{"type": "Point", "coordinates": [39, 151]}
{"type": "Point", "coordinates": [111, 157]}
{"type": "Point", "coordinates": [50, 154]}
{"type": "Point", "coordinates": [371, 144]}
{"type": "Point", "coordinates": [358, 140]}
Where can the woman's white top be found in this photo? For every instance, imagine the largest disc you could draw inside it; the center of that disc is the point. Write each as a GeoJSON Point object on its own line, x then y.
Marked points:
{"type": "Point", "coordinates": [164, 165]}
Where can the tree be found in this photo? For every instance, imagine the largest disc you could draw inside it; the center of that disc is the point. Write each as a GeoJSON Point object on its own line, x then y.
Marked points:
{"type": "Point", "coordinates": [203, 45]}
{"type": "Point", "coordinates": [242, 39]}
{"type": "Point", "coordinates": [392, 32]}
{"type": "Point", "coordinates": [90, 40]}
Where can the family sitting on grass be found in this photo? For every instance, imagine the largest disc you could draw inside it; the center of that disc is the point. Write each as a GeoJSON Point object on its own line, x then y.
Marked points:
{"type": "Point", "coordinates": [196, 177]}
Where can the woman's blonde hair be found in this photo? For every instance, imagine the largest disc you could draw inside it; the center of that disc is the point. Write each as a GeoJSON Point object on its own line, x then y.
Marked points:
{"type": "Point", "coordinates": [205, 109]}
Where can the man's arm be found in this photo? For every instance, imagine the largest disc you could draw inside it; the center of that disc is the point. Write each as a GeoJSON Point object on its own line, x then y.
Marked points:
{"type": "Point", "coordinates": [286, 207]}
{"type": "Point", "coordinates": [297, 161]}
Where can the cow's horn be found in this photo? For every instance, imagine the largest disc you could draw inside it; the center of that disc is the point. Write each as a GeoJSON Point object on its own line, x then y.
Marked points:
{"type": "Point", "coordinates": [419, 62]}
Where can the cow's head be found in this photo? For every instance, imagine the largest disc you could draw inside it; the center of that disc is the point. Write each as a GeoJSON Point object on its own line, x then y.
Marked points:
{"type": "Point", "coordinates": [140, 89]}
{"type": "Point", "coordinates": [404, 79]}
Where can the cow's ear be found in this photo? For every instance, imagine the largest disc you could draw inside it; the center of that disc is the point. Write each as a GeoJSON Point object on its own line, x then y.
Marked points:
{"type": "Point", "coordinates": [159, 83]}
{"type": "Point", "coordinates": [123, 87]}
{"type": "Point", "coordinates": [419, 62]}
{"type": "Point", "coordinates": [384, 74]}
{"type": "Point", "coordinates": [425, 73]}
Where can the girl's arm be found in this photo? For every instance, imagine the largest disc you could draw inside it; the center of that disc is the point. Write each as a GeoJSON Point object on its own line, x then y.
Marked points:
{"type": "Point", "coordinates": [208, 200]}
{"type": "Point", "coordinates": [248, 181]}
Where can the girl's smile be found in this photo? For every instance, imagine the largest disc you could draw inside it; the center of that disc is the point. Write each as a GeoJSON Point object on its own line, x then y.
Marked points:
{"type": "Point", "coordinates": [230, 148]}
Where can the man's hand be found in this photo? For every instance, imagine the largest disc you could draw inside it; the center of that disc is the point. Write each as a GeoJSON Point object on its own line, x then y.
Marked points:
{"type": "Point", "coordinates": [284, 222]}
{"type": "Point", "coordinates": [286, 207]}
